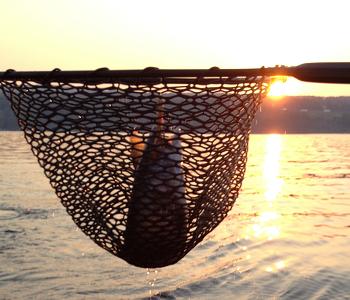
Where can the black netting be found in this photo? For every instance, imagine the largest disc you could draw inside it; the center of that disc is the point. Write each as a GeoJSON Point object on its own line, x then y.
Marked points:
{"type": "Point", "coordinates": [146, 170]}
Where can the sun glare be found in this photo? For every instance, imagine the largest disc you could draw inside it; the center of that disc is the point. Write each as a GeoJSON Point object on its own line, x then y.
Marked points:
{"type": "Point", "coordinates": [278, 88]}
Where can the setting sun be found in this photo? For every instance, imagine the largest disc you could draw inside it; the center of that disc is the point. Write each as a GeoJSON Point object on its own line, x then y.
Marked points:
{"type": "Point", "coordinates": [278, 88]}
{"type": "Point", "coordinates": [285, 86]}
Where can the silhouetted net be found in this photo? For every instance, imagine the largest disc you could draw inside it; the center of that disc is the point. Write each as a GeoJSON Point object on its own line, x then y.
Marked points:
{"type": "Point", "coordinates": [146, 170]}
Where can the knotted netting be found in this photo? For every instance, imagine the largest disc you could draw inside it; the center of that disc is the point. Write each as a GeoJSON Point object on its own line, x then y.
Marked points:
{"type": "Point", "coordinates": [146, 168]}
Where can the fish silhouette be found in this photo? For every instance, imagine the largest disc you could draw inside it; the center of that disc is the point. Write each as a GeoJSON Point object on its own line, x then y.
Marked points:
{"type": "Point", "coordinates": [156, 229]}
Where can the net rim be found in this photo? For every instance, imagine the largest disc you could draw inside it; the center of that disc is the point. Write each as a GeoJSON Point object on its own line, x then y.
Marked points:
{"type": "Point", "coordinates": [150, 76]}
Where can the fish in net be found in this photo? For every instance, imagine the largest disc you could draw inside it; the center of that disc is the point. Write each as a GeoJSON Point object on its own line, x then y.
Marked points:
{"type": "Point", "coordinates": [145, 168]}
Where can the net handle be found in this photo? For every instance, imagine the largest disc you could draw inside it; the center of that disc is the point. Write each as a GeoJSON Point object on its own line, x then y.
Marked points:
{"type": "Point", "coordinates": [325, 72]}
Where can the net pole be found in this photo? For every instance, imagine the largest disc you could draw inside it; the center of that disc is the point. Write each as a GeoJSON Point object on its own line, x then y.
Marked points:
{"type": "Point", "coordinates": [310, 72]}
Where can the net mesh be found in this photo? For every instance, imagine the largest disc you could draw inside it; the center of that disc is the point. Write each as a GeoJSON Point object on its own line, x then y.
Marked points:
{"type": "Point", "coordinates": [146, 170]}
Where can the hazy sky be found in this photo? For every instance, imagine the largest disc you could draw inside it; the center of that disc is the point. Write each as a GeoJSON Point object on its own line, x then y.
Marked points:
{"type": "Point", "coordinates": [86, 34]}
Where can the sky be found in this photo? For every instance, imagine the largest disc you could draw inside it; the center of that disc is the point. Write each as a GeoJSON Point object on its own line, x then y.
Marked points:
{"type": "Point", "coordinates": [86, 34]}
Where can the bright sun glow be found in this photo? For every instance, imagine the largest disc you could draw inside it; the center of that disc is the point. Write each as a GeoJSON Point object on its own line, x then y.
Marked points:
{"type": "Point", "coordinates": [278, 88]}
{"type": "Point", "coordinates": [285, 86]}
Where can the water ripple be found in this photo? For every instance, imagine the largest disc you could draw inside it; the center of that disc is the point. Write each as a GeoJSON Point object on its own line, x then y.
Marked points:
{"type": "Point", "coordinates": [8, 214]}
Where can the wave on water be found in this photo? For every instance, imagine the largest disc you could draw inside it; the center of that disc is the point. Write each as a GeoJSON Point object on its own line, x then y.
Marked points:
{"type": "Point", "coordinates": [287, 237]}
{"type": "Point", "coordinates": [327, 176]}
{"type": "Point", "coordinates": [9, 213]}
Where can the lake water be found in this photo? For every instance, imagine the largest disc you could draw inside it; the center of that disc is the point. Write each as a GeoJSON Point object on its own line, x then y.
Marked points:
{"type": "Point", "coordinates": [287, 237]}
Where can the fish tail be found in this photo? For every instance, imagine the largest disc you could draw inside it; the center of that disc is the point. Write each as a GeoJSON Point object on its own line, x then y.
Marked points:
{"type": "Point", "coordinates": [137, 147]}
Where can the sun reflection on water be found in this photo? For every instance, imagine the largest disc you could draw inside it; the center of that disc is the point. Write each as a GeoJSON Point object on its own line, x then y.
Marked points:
{"type": "Point", "coordinates": [271, 171]}
{"type": "Point", "coordinates": [266, 225]}
{"type": "Point", "coordinates": [277, 266]}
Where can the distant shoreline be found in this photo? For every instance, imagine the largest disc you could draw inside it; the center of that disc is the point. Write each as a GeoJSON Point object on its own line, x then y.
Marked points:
{"type": "Point", "coordinates": [288, 115]}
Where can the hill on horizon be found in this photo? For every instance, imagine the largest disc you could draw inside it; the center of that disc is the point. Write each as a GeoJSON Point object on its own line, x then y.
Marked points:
{"type": "Point", "coordinates": [304, 114]}
{"type": "Point", "coordinates": [289, 114]}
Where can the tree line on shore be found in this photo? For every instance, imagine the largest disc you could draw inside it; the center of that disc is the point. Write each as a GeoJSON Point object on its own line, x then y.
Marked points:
{"type": "Point", "coordinates": [290, 114]}
{"type": "Point", "coordinates": [304, 114]}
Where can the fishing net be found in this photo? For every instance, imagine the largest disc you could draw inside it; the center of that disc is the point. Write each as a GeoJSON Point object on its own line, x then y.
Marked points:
{"type": "Point", "coordinates": [145, 168]}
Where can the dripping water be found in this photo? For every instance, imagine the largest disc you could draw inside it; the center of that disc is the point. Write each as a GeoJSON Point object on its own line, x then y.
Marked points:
{"type": "Point", "coordinates": [152, 277]}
